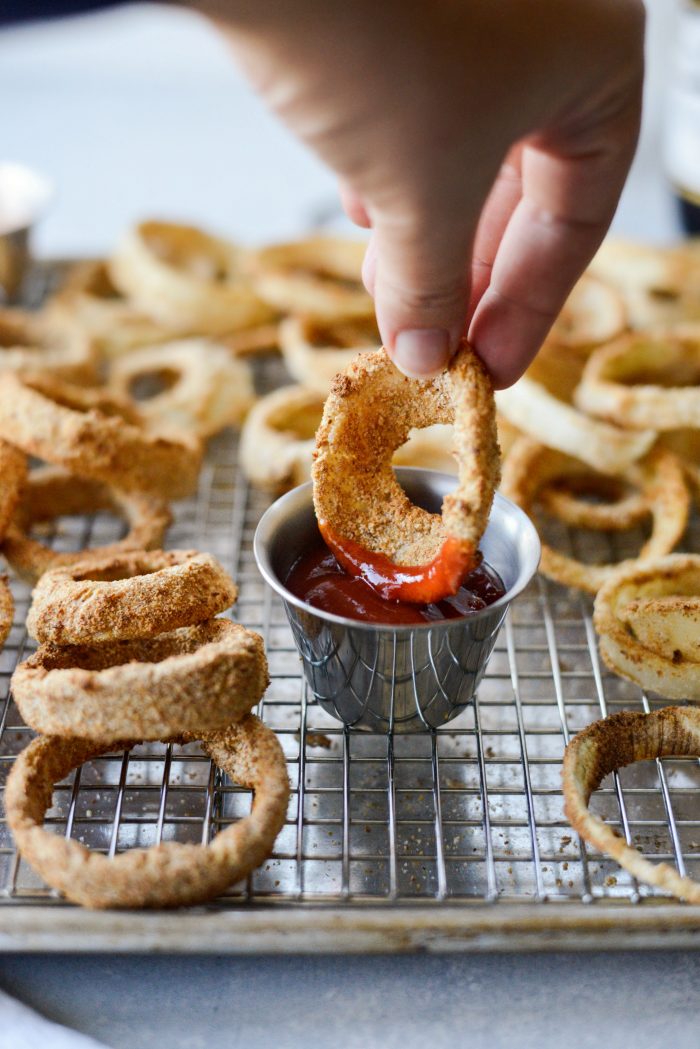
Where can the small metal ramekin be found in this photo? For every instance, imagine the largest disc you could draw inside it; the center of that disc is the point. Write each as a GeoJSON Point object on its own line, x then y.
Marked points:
{"type": "Point", "coordinates": [386, 678]}
{"type": "Point", "coordinates": [24, 194]}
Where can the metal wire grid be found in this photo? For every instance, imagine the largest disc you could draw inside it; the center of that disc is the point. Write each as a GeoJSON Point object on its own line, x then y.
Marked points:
{"type": "Point", "coordinates": [472, 812]}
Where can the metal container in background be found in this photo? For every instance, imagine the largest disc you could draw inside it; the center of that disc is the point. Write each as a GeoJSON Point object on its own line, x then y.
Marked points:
{"type": "Point", "coordinates": [386, 678]}
{"type": "Point", "coordinates": [24, 195]}
{"type": "Point", "coordinates": [682, 124]}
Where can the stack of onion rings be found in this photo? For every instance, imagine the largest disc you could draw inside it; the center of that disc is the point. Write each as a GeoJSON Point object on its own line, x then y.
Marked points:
{"type": "Point", "coordinates": [314, 352]}
{"type": "Point", "coordinates": [610, 744]}
{"type": "Point", "coordinates": [170, 874]}
{"type": "Point", "coordinates": [364, 515]}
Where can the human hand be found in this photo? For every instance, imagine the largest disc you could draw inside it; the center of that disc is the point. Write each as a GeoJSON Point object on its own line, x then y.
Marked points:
{"type": "Point", "coordinates": [486, 145]}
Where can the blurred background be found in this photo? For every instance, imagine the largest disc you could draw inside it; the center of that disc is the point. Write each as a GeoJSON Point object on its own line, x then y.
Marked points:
{"type": "Point", "coordinates": [139, 111]}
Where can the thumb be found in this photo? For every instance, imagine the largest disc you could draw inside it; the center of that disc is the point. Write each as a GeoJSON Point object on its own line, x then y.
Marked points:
{"type": "Point", "coordinates": [421, 291]}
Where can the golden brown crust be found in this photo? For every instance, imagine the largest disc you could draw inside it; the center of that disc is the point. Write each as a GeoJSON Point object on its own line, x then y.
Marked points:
{"type": "Point", "coordinates": [610, 744]}
{"type": "Point", "coordinates": [7, 610]}
{"type": "Point", "coordinates": [170, 874]}
{"type": "Point", "coordinates": [13, 475]}
{"type": "Point", "coordinates": [659, 476]}
{"type": "Point", "coordinates": [619, 510]}
{"type": "Point", "coordinates": [368, 415]}
{"type": "Point", "coordinates": [134, 595]}
{"type": "Point", "coordinates": [198, 677]}
{"type": "Point", "coordinates": [69, 426]}
{"type": "Point", "coordinates": [50, 493]}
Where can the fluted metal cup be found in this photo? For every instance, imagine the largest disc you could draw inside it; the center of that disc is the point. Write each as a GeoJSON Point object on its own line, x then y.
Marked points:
{"type": "Point", "coordinates": [395, 678]}
{"type": "Point", "coordinates": [24, 195]}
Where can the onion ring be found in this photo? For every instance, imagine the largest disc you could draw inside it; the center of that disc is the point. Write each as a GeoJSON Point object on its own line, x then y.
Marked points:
{"type": "Point", "coordinates": [530, 407]}
{"type": "Point", "coordinates": [210, 388]}
{"type": "Point", "coordinates": [250, 342]}
{"type": "Point", "coordinates": [593, 314]}
{"type": "Point", "coordinates": [50, 493]}
{"type": "Point", "coordinates": [201, 677]}
{"type": "Point", "coordinates": [134, 595]}
{"type": "Point", "coordinates": [610, 744]}
{"type": "Point", "coordinates": [69, 426]}
{"type": "Point", "coordinates": [364, 515]}
{"type": "Point", "coordinates": [620, 510]}
{"type": "Point", "coordinates": [44, 343]}
{"type": "Point", "coordinates": [686, 445]}
{"type": "Point", "coordinates": [659, 476]}
{"type": "Point", "coordinates": [657, 654]}
{"type": "Point", "coordinates": [89, 300]}
{"type": "Point", "coordinates": [186, 279]}
{"type": "Point", "coordinates": [646, 379]}
{"type": "Point", "coordinates": [314, 353]}
{"type": "Point", "coordinates": [7, 610]}
{"type": "Point", "coordinates": [319, 278]}
{"type": "Point", "coordinates": [658, 285]}
{"type": "Point", "coordinates": [13, 475]}
{"type": "Point", "coordinates": [277, 439]}
{"type": "Point", "coordinates": [559, 370]}
{"type": "Point", "coordinates": [170, 874]}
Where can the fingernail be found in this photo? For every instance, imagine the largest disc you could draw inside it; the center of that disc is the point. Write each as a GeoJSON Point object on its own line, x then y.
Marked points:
{"type": "Point", "coordinates": [421, 353]}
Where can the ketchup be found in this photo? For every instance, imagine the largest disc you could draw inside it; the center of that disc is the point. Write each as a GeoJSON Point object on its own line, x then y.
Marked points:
{"type": "Point", "coordinates": [317, 578]}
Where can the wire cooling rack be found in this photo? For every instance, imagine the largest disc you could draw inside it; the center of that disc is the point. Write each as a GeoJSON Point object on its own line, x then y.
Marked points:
{"type": "Point", "coordinates": [451, 839]}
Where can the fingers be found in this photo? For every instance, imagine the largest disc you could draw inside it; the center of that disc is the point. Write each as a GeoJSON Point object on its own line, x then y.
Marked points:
{"type": "Point", "coordinates": [500, 205]}
{"type": "Point", "coordinates": [353, 206]}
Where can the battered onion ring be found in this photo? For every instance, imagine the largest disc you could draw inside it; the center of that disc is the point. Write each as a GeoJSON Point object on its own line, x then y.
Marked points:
{"type": "Point", "coordinates": [593, 313]}
{"type": "Point", "coordinates": [45, 343]}
{"type": "Point", "coordinates": [619, 511]}
{"type": "Point", "coordinates": [531, 466]}
{"type": "Point", "coordinates": [610, 744]}
{"type": "Point", "coordinates": [210, 389]}
{"type": "Point", "coordinates": [50, 493]}
{"type": "Point", "coordinates": [534, 410]}
{"type": "Point", "coordinates": [134, 595]}
{"type": "Point", "coordinates": [170, 874]}
{"type": "Point", "coordinates": [654, 654]}
{"type": "Point", "coordinates": [13, 475]}
{"type": "Point", "coordinates": [364, 515]}
{"type": "Point", "coordinates": [196, 678]}
{"type": "Point", "coordinates": [314, 352]}
{"type": "Point", "coordinates": [646, 379]}
{"type": "Point", "coordinates": [69, 426]}
{"type": "Point", "coordinates": [686, 445]}
{"type": "Point", "coordinates": [89, 300]}
{"type": "Point", "coordinates": [658, 285]}
{"type": "Point", "coordinates": [251, 342]}
{"type": "Point", "coordinates": [319, 278]}
{"type": "Point", "coordinates": [7, 610]}
{"type": "Point", "coordinates": [185, 279]}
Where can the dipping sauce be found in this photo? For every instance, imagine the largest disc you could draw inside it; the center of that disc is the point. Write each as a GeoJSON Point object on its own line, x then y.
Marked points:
{"type": "Point", "coordinates": [317, 578]}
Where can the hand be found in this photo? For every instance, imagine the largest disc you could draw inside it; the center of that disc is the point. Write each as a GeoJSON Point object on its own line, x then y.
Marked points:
{"type": "Point", "coordinates": [486, 145]}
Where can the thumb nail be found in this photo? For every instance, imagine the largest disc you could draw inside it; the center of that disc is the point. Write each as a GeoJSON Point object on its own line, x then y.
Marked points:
{"type": "Point", "coordinates": [422, 352]}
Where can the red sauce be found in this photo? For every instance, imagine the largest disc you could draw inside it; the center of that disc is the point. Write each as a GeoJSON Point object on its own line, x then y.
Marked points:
{"type": "Point", "coordinates": [317, 578]}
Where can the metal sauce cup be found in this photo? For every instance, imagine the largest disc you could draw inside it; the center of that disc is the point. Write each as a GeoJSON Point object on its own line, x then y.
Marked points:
{"type": "Point", "coordinates": [387, 678]}
{"type": "Point", "coordinates": [24, 195]}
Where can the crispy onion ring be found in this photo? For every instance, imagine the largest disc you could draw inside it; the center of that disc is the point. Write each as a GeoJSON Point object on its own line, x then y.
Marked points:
{"type": "Point", "coordinates": [558, 370]}
{"type": "Point", "coordinates": [647, 618]}
{"type": "Point", "coordinates": [50, 493]}
{"type": "Point", "coordinates": [593, 313]}
{"type": "Point", "coordinates": [364, 515]}
{"type": "Point", "coordinates": [536, 412]}
{"type": "Point", "coordinates": [13, 475]}
{"type": "Point", "coordinates": [251, 342]}
{"type": "Point", "coordinates": [208, 388]}
{"type": "Point", "coordinates": [318, 278]}
{"type": "Point", "coordinates": [686, 445]}
{"type": "Point", "coordinates": [659, 476]}
{"type": "Point", "coordinates": [610, 744]}
{"type": "Point", "coordinates": [646, 379]}
{"type": "Point", "coordinates": [7, 610]}
{"type": "Point", "coordinates": [620, 509]}
{"type": "Point", "coordinates": [277, 439]}
{"type": "Point", "coordinates": [69, 426]}
{"type": "Point", "coordinates": [45, 343]}
{"type": "Point", "coordinates": [658, 285]}
{"type": "Point", "coordinates": [134, 595]}
{"type": "Point", "coordinates": [186, 279]}
{"type": "Point", "coordinates": [170, 874]}
{"type": "Point", "coordinates": [315, 352]}
{"type": "Point", "coordinates": [89, 300]}
{"type": "Point", "coordinates": [200, 677]}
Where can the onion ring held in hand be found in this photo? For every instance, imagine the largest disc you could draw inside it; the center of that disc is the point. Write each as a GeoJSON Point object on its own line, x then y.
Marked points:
{"type": "Point", "coordinates": [50, 493]}
{"type": "Point", "coordinates": [186, 279]}
{"type": "Point", "coordinates": [315, 352]}
{"type": "Point", "coordinates": [170, 874]}
{"type": "Point", "coordinates": [646, 379]}
{"type": "Point", "coordinates": [197, 677]}
{"type": "Point", "coordinates": [37, 342]}
{"type": "Point", "coordinates": [134, 595]}
{"type": "Point", "coordinates": [320, 277]}
{"type": "Point", "coordinates": [647, 617]}
{"type": "Point", "coordinates": [209, 388]}
{"type": "Point", "coordinates": [69, 426]}
{"type": "Point", "coordinates": [536, 412]}
{"type": "Point", "coordinates": [593, 314]}
{"type": "Point", "coordinates": [610, 744]}
{"type": "Point", "coordinates": [364, 515]}
{"type": "Point", "coordinates": [659, 477]}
